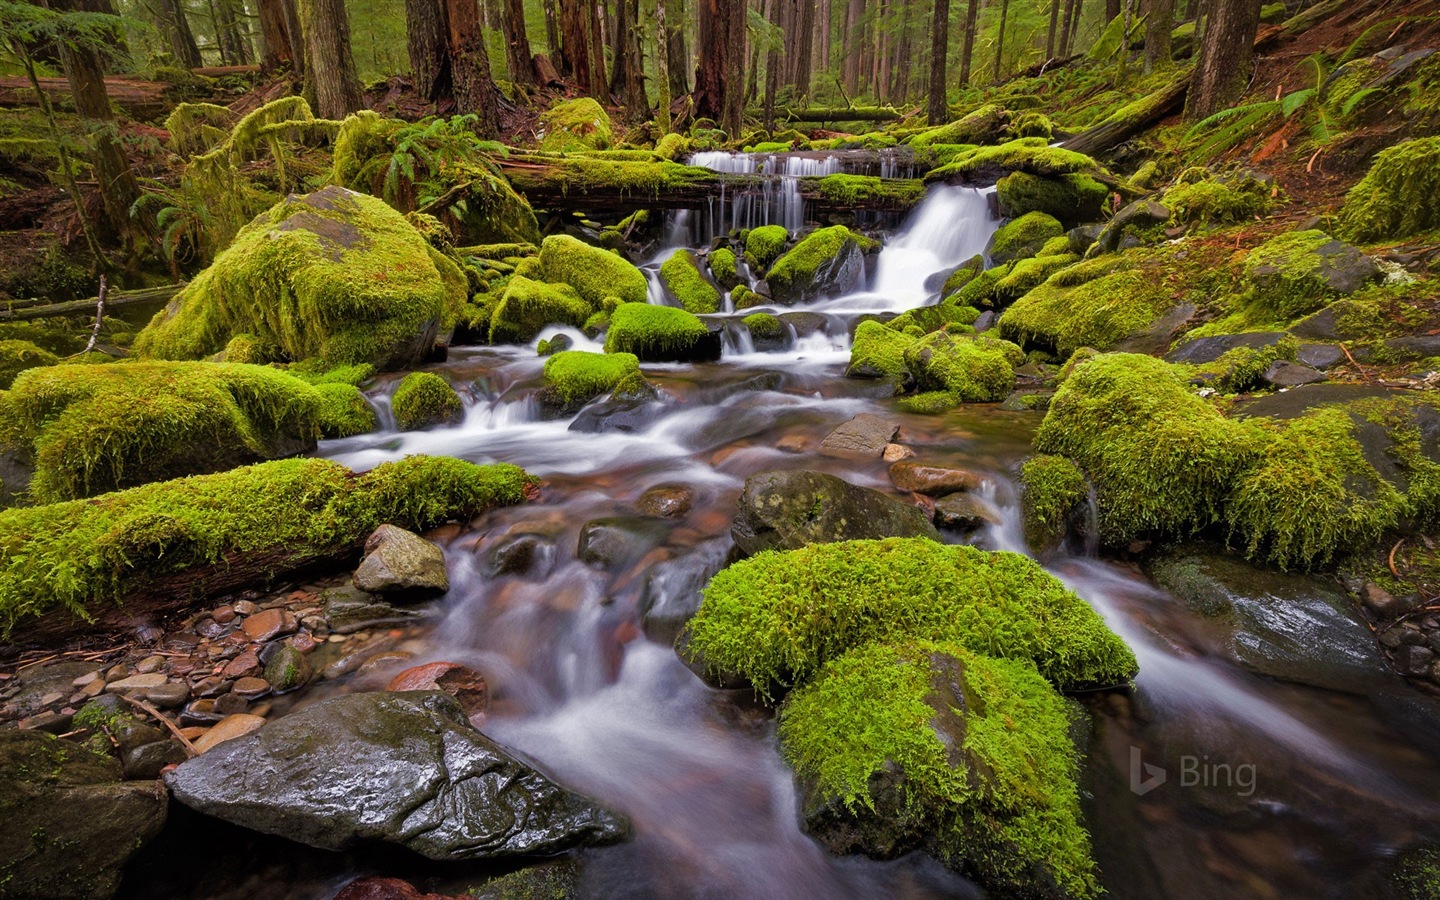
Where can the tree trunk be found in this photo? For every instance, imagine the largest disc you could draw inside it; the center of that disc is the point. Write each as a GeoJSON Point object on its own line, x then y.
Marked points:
{"type": "Point", "coordinates": [1159, 22]}
{"type": "Point", "coordinates": [939, 44]}
{"type": "Point", "coordinates": [517, 45]}
{"type": "Point", "coordinates": [426, 40]}
{"type": "Point", "coordinates": [170, 20]}
{"type": "Point", "coordinates": [711, 66]}
{"type": "Point", "coordinates": [679, 53]}
{"type": "Point", "coordinates": [967, 47]}
{"type": "Point", "coordinates": [470, 66]}
{"type": "Point", "coordinates": [575, 42]}
{"type": "Point", "coordinates": [1051, 34]}
{"type": "Point", "coordinates": [775, 13]}
{"type": "Point", "coordinates": [598, 88]}
{"type": "Point", "coordinates": [752, 71]}
{"type": "Point", "coordinates": [86, 73]}
{"type": "Point", "coordinates": [552, 30]}
{"type": "Point", "coordinates": [822, 36]}
{"type": "Point", "coordinates": [629, 76]}
{"type": "Point", "coordinates": [1079, 12]}
{"type": "Point", "coordinates": [234, 32]}
{"type": "Point", "coordinates": [803, 24]}
{"type": "Point", "coordinates": [734, 112]}
{"type": "Point", "coordinates": [1225, 57]}
{"type": "Point", "coordinates": [329, 66]}
{"type": "Point", "coordinates": [1112, 9]}
{"type": "Point", "coordinates": [662, 68]}
{"type": "Point", "coordinates": [883, 38]}
{"type": "Point", "coordinates": [275, 32]}
{"type": "Point", "coordinates": [854, 12]}
{"type": "Point", "coordinates": [1000, 40]}
{"type": "Point", "coordinates": [1065, 20]}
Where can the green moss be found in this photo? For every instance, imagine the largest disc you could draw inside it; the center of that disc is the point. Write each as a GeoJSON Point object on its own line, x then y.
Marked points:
{"type": "Point", "coordinates": [744, 298]}
{"type": "Point", "coordinates": [981, 126]}
{"type": "Point", "coordinates": [344, 411]}
{"type": "Point", "coordinates": [777, 617]}
{"type": "Point", "coordinates": [71, 556]}
{"type": "Point", "coordinates": [95, 428]}
{"type": "Point", "coordinates": [333, 274]}
{"type": "Point", "coordinates": [1079, 307]}
{"type": "Point", "coordinates": [1051, 487]}
{"type": "Point", "coordinates": [1024, 236]}
{"type": "Point", "coordinates": [318, 372]}
{"type": "Point", "coordinates": [1160, 457]}
{"type": "Point", "coordinates": [879, 352]}
{"type": "Point", "coordinates": [17, 356]}
{"type": "Point", "coordinates": [1072, 198]}
{"type": "Point", "coordinates": [672, 146]}
{"type": "Point", "coordinates": [976, 369]}
{"type": "Point", "coordinates": [424, 400]}
{"type": "Point", "coordinates": [1208, 202]}
{"type": "Point", "coordinates": [247, 348]}
{"type": "Point", "coordinates": [528, 306]}
{"type": "Point", "coordinates": [764, 244]}
{"type": "Point", "coordinates": [1002, 804]}
{"type": "Point", "coordinates": [1239, 369]}
{"type": "Point", "coordinates": [949, 314]}
{"type": "Point", "coordinates": [1030, 155]}
{"type": "Point", "coordinates": [1027, 274]}
{"type": "Point", "coordinates": [722, 267]}
{"type": "Point", "coordinates": [634, 177]}
{"type": "Point", "coordinates": [579, 124]}
{"type": "Point", "coordinates": [798, 267]}
{"type": "Point", "coordinates": [1032, 124]}
{"type": "Point", "coordinates": [653, 333]}
{"type": "Point", "coordinates": [1287, 274]}
{"type": "Point", "coordinates": [683, 277]}
{"type": "Point", "coordinates": [967, 272]}
{"type": "Point", "coordinates": [849, 189]}
{"type": "Point", "coordinates": [593, 272]}
{"type": "Point", "coordinates": [764, 326]}
{"type": "Point", "coordinates": [1398, 197]}
{"type": "Point", "coordinates": [575, 376]}
{"type": "Point", "coordinates": [929, 403]}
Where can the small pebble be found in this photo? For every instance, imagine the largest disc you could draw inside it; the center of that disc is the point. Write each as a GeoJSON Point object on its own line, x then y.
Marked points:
{"type": "Point", "coordinates": [150, 664]}
{"type": "Point", "coordinates": [250, 688]}
{"type": "Point", "coordinates": [246, 608]}
{"type": "Point", "coordinates": [224, 614]}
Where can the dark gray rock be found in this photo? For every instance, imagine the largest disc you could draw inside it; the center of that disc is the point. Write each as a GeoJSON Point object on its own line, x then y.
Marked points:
{"type": "Point", "coordinates": [405, 768]}
{"type": "Point", "coordinates": [1209, 349]}
{"type": "Point", "coordinates": [401, 565]}
{"type": "Point", "coordinates": [614, 541]}
{"type": "Point", "coordinates": [805, 323]}
{"type": "Point", "coordinates": [1083, 237]}
{"type": "Point", "coordinates": [863, 437]}
{"type": "Point", "coordinates": [1320, 356]}
{"type": "Point", "coordinates": [349, 609]}
{"type": "Point", "coordinates": [70, 823]}
{"type": "Point", "coordinates": [1285, 374]}
{"type": "Point", "coordinates": [1340, 267]}
{"type": "Point", "coordinates": [986, 321]}
{"type": "Point", "coordinates": [671, 596]}
{"type": "Point", "coordinates": [288, 669]}
{"type": "Point", "coordinates": [522, 554]}
{"type": "Point", "coordinates": [788, 510]}
{"type": "Point", "coordinates": [627, 412]}
{"type": "Point", "coordinates": [1414, 346]}
{"type": "Point", "coordinates": [837, 275]}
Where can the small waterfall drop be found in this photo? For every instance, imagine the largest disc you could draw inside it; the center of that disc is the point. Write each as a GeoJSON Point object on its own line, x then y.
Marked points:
{"type": "Point", "coordinates": [778, 202]}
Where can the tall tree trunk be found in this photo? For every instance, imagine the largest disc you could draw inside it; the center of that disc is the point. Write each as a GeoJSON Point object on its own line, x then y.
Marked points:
{"type": "Point", "coordinates": [1065, 21]}
{"type": "Point", "coordinates": [575, 41]}
{"type": "Point", "coordinates": [939, 45]}
{"type": "Point", "coordinates": [1112, 9]}
{"type": "Point", "coordinates": [734, 112]}
{"type": "Point", "coordinates": [900, 56]}
{"type": "Point", "coordinates": [475, 90]}
{"type": "Point", "coordinates": [854, 13]}
{"type": "Point", "coordinates": [1075, 20]}
{"type": "Point", "coordinates": [169, 18]}
{"type": "Point", "coordinates": [822, 35]}
{"type": "Point", "coordinates": [232, 31]}
{"type": "Point", "coordinates": [1225, 57]}
{"type": "Point", "coordinates": [629, 75]}
{"type": "Point", "coordinates": [275, 32]}
{"type": "Point", "coordinates": [679, 52]}
{"type": "Point", "coordinates": [552, 30]}
{"type": "Point", "coordinates": [1123, 58]}
{"type": "Point", "coordinates": [297, 36]}
{"type": "Point", "coordinates": [517, 45]}
{"type": "Point", "coordinates": [883, 38]}
{"type": "Point", "coordinates": [598, 88]}
{"type": "Point", "coordinates": [774, 14]}
{"type": "Point", "coordinates": [752, 71]}
{"type": "Point", "coordinates": [719, 79]}
{"type": "Point", "coordinates": [662, 68]}
{"type": "Point", "coordinates": [1000, 40]}
{"type": "Point", "coordinates": [967, 47]}
{"type": "Point", "coordinates": [1051, 34]}
{"type": "Point", "coordinates": [329, 66]}
{"type": "Point", "coordinates": [1159, 22]}
{"type": "Point", "coordinates": [427, 43]}
{"type": "Point", "coordinates": [803, 23]}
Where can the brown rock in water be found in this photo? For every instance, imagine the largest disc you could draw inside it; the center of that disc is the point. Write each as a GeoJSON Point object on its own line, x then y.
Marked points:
{"type": "Point", "coordinates": [227, 729]}
{"type": "Point", "coordinates": [242, 666]}
{"type": "Point", "coordinates": [376, 888]}
{"type": "Point", "coordinates": [789, 509]}
{"type": "Point", "coordinates": [933, 480]}
{"type": "Point", "coordinates": [399, 564]}
{"type": "Point", "coordinates": [863, 437]}
{"type": "Point", "coordinates": [464, 684]}
{"type": "Point", "coordinates": [896, 452]}
{"type": "Point", "coordinates": [666, 501]}
{"type": "Point", "coordinates": [269, 623]}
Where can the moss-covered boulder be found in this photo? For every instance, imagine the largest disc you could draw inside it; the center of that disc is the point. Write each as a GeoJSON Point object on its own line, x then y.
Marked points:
{"type": "Point", "coordinates": [1204, 201]}
{"type": "Point", "coordinates": [980, 126]}
{"type": "Point", "coordinates": [973, 368]}
{"type": "Point", "coordinates": [1073, 199]}
{"type": "Point", "coordinates": [1051, 488]}
{"type": "Point", "coordinates": [766, 331]}
{"type": "Point", "coordinates": [778, 617]}
{"type": "Point", "coordinates": [344, 411]}
{"type": "Point", "coordinates": [88, 429]}
{"type": "Point", "coordinates": [17, 356]}
{"type": "Point", "coordinates": [1024, 236]}
{"type": "Point", "coordinates": [687, 282]}
{"type": "Point", "coordinates": [828, 262]}
{"type": "Point", "coordinates": [1138, 223]}
{"type": "Point", "coordinates": [1035, 156]}
{"type": "Point", "coordinates": [1024, 275]}
{"type": "Point", "coordinates": [575, 377]}
{"type": "Point", "coordinates": [579, 124]}
{"type": "Point", "coordinates": [661, 334]}
{"type": "Point", "coordinates": [961, 275]}
{"type": "Point", "coordinates": [596, 274]}
{"type": "Point", "coordinates": [528, 306]}
{"type": "Point", "coordinates": [878, 351]}
{"type": "Point", "coordinates": [333, 274]}
{"type": "Point", "coordinates": [930, 746]}
{"type": "Point", "coordinates": [764, 244]}
{"type": "Point", "coordinates": [1398, 197]}
{"type": "Point", "coordinates": [723, 267]}
{"type": "Point", "coordinates": [162, 545]}
{"type": "Point", "coordinates": [1299, 272]}
{"type": "Point", "coordinates": [424, 400]}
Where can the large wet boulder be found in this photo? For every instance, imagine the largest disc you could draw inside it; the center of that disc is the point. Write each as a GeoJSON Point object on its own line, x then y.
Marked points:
{"type": "Point", "coordinates": [790, 509]}
{"type": "Point", "coordinates": [425, 400]}
{"type": "Point", "coordinates": [973, 368]}
{"type": "Point", "coordinates": [829, 262]}
{"type": "Point", "coordinates": [685, 279]}
{"type": "Point", "coordinates": [1024, 236]}
{"type": "Point", "coordinates": [404, 768]}
{"type": "Point", "coordinates": [332, 274]}
{"type": "Point", "coordinates": [401, 565]}
{"type": "Point", "coordinates": [71, 824]}
{"type": "Point", "coordinates": [527, 306]}
{"type": "Point", "coordinates": [661, 334]}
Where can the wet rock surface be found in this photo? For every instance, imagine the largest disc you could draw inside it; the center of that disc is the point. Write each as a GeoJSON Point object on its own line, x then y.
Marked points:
{"type": "Point", "coordinates": [401, 565]}
{"type": "Point", "coordinates": [787, 510]}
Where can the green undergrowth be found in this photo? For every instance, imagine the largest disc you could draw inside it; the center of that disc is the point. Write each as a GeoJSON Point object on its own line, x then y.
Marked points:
{"type": "Point", "coordinates": [17, 356]}
{"type": "Point", "coordinates": [777, 617]}
{"type": "Point", "coordinates": [424, 400]}
{"type": "Point", "coordinates": [1024, 236]}
{"type": "Point", "coordinates": [73, 556]}
{"type": "Point", "coordinates": [1203, 201]}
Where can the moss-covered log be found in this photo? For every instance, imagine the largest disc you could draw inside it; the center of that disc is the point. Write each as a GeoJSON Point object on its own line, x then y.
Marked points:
{"type": "Point", "coordinates": [1132, 119]}
{"type": "Point", "coordinates": [840, 114]}
{"type": "Point", "coordinates": [25, 312]}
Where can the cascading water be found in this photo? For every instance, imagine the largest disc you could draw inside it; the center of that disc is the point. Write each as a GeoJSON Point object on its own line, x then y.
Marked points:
{"type": "Point", "coordinates": [778, 202]}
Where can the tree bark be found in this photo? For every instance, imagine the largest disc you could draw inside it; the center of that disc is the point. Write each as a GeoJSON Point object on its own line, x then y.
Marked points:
{"type": "Point", "coordinates": [1075, 26]}
{"type": "Point", "coordinates": [713, 63]}
{"type": "Point", "coordinates": [662, 68]}
{"type": "Point", "coordinates": [1000, 40]}
{"type": "Point", "coordinates": [1159, 22]}
{"type": "Point", "coordinates": [1051, 34]}
{"type": "Point", "coordinates": [775, 13]}
{"type": "Point", "coordinates": [170, 20]}
{"type": "Point", "coordinates": [629, 75]}
{"type": "Point", "coordinates": [232, 33]}
{"type": "Point", "coordinates": [470, 67]}
{"type": "Point", "coordinates": [517, 45]}
{"type": "Point", "coordinates": [575, 42]}
{"type": "Point", "coordinates": [1112, 9]}
{"type": "Point", "coordinates": [854, 12]}
{"type": "Point", "coordinates": [1225, 57]}
{"type": "Point", "coordinates": [822, 35]}
{"type": "Point", "coordinates": [802, 22]}
{"type": "Point", "coordinates": [329, 66]}
{"type": "Point", "coordinates": [939, 44]}
{"type": "Point", "coordinates": [552, 30]}
{"type": "Point", "coordinates": [679, 53]}
{"type": "Point", "coordinates": [426, 42]}
{"type": "Point", "coordinates": [967, 47]}
{"type": "Point", "coordinates": [1065, 20]}
{"type": "Point", "coordinates": [598, 87]}
{"type": "Point", "coordinates": [275, 33]}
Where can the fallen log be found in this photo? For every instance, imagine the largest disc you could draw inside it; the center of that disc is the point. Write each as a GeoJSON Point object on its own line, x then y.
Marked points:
{"type": "Point", "coordinates": [139, 99]}
{"type": "Point", "coordinates": [23, 313]}
{"type": "Point", "coordinates": [1131, 119]}
{"type": "Point", "coordinates": [841, 114]}
{"type": "Point", "coordinates": [220, 71]}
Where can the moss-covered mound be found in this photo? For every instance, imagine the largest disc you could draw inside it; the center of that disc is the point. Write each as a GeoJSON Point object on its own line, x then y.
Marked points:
{"type": "Point", "coordinates": [528, 306]}
{"type": "Point", "coordinates": [333, 274]}
{"type": "Point", "coordinates": [974, 368]}
{"type": "Point", "coordinates": [723, 267]}
{"type": "Point", "coordinates": [981, 126]}
{"type": "Point", "coordinates": [17, 356]}
{"type": "Point", "coordinates": [595, 273]}
{"type": "Point", "coordinates": [576, 376]}
{"type": "Point", "coordinates": [929, 745]}
{"type": "Point", "coordinates": [1024, 236]}
{"type": "Point", "coordinates": [764, 244]}
{"type": "Point", "coordinates": [76, 555]}
{"type": "Point", "coordinates": [344, 411]}
{"type": "Point", "coordinates": [1051, 488]}
{"type": "Point", "coordinates": [88, 429]}
{"type": "Point", "coordinates": [1204, 201]}
{"type": "Point", "coordinates": [1398, 197]}
{"type": "Point", "coordinates": [660, 334]}
{"type": "Point", "coordinates": [1034, 156]}
{"type": "Point", "coordinates": [687, 283]}
{"type": "Point", "coordinates": [1299, 272]}
{"type": "Point", "coordinates": [579, 124]}
{"type": "Point", "coordinates": [826, 263]}
{"type": "Point", "coordinates": [1073, 198]}
{"type": "Point", "coordinates": [424, 400]}
{"type": "Point", "coordinates": [779, 616]}
{"type": "Point", "coordinates": [878, 351]}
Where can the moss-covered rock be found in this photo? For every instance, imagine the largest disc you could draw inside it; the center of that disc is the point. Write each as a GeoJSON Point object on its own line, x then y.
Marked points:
{"type": "Point", "coordinates": [344, 411]}
{"type": "Point", "coordinates": [17, 356]}
{"type": "Point", "coordinates": [595, 273]}
{"type": "Point", "coordinates": [1024, 236]}
{"type": "Point", "coordinates": [528, 306]}
{"type": "Point", "coordinates": [1299, 272]}
{"type": "Point", "coordinates": [1073, 199]}
{"type": "Point", "coordinates": [764, 244]}
{"type": "Point", "coordinates": [764, 327]}
{"type": "Point", "coordinates": [424, 400]}
{"type": "Point", "coordinates": [986, 165]}
{"type": "Point", "coordinates": [870, 191]}
{"type": "Point", "coordinates": [899, 747]}
{"type": "Point", "coordinates": [88, 429]}
{"type": "Point", "coordinates": [981, 126]}
{"type": "Point", "coordinates": [1398, 197]}
{"type": "Point", "coordinates": [878, 351]}
{"type": "Point", "coordinates": [962, 275]}
{"type": "Point", "coordinates": [686, 282]}
{"type": "Point", "coordinates": [1025, 275]}
{"type": "Point", "coordinates": [777, 617]}
{"type": "Point", "coordinates": [660, 334]}
{"type": "Point", "coordinates": [78, 555]}
{"type": "Point", "coordinates": [1203, 201]}
{"type": "Point", "coordinates": [1051, 488]}
{"type": "Point", "coordinates": [828, 262]}
{"type": "Point", "coordinates": [973, 368]}
{"type": "Point", "coordinates": [332, 274]}
{"type": "Point", "coordinates": [723, 267]}
{"type": "Point", "coordinates": [580, 124]}
{"type": "Point", "coordinates": [575, 376]}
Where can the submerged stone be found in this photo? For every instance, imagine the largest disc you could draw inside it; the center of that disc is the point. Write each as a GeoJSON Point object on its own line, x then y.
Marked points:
{"type": "Point", "coordinates": [790, 509]}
